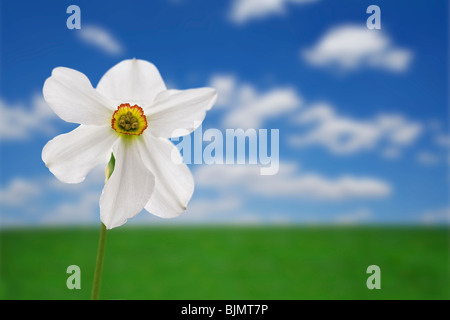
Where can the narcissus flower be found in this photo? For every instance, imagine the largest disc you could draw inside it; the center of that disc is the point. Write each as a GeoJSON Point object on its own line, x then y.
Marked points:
{"type": "Point", "coordinates": [130, 114]}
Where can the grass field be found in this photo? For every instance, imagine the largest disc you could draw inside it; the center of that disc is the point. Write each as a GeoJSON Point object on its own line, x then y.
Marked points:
{"type": "Point", "coordinates": [229, 263]}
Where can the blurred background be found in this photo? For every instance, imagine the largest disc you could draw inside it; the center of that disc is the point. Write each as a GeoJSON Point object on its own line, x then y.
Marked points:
{"type": "Point", "coordinates": [364, 144]}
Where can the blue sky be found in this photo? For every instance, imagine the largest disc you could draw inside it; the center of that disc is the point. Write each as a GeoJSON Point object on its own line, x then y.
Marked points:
{"type": "Point", "coordinates": [362, 113]}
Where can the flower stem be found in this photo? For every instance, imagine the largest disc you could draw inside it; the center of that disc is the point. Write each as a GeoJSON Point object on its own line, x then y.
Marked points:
{"type": "Point", "coordinates": [99, 264]}
{"type": "Point", "coordinates": [102, 241]}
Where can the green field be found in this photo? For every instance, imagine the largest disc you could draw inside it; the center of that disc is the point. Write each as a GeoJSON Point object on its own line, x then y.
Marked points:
{"type": "Point", "coordinates": [229, 263]}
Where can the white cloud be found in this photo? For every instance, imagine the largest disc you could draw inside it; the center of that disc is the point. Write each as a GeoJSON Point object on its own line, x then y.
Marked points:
{"type": "Point", "coordinates": [443, 140]}
{"type": "Point", "coordinates": [231, 190]}
{"type": "Point", "coordinates": [100, 38]}
{"type": "Point", "coordinates": [84, 210]}
{"type": "Point", "coordinates": [391, 153]}
{"type": "Point", "coordinates": [249, 108]}
{"type": "Point", "coordinates": [94, 180]}
{"type": "Point", "coordinates": [345, 135]}
{"type": "Point", "coordinates": [427, 158]}
{"type": "Point", "coordinates": [339, 134]}
{"type": "Point", "coordinates": [399, 130]}
{"type": "Point", "coordinates": [354, 217]}
{"type": "Point", "coordinates": [18, 122]}
{"type": "Point", "coordinates": [246, 10]}
{"type": "Point", "coordinates": [19, 192]}
{"type": "Point", "coordinates": [290, 183]}
{"type": "Point", "coordinates": [254, 108]}
{"type": "Point", "coordinates": [434, 125]}
{"type": "Point", "coordinates": [198, 209]}
{"type": "Point", "coordinates": [351, 47]}
{"type": "Point", "coordinates": [45, 200]}
{"type": "Point", "coordinates": [441, 215]}
{"type": "Point", "coordinates": [226, 87]}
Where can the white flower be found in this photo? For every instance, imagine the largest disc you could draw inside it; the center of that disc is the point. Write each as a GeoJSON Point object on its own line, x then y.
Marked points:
{"type": "Point", "coordinates": [132, 115]}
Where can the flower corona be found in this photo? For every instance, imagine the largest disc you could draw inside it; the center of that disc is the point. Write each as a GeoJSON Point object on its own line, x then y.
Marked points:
{"type": "Point", "coordinates": [129, 120]}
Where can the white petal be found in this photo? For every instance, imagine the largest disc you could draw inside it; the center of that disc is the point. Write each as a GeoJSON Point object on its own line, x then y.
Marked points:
{"type": "Point", "coordinates": [71, 156]}
{"type": "Point", "coordinates": [72, 97]}
{"type": "Point", "coordinates": [174, 184]}
{"type": "Point", "coordinates": [128, 189]}
{"type": "Point", "coordinates": [177, 113]}
{"type": "Point", "coordinates": [136, 81]}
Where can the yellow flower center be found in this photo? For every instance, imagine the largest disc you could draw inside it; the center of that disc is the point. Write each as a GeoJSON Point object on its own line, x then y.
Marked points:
{"type": "Point", "coordinates": [129, 120]}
